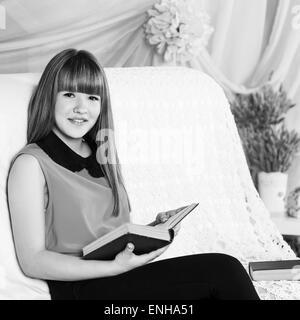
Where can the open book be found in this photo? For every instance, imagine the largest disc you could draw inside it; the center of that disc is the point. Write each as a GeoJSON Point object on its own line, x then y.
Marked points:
{"type": "Point", "coordinates": [275, 270]}
{"type": "Point", "coordinates": [145, 238]}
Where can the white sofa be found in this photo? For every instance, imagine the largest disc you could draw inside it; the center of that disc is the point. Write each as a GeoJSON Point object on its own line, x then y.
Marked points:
{"type": "Point", "coordinates": [178, 143]}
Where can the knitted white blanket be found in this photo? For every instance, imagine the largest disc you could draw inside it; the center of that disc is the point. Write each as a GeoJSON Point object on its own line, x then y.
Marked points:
{"type": "Point", "coordinates": [179, 144]}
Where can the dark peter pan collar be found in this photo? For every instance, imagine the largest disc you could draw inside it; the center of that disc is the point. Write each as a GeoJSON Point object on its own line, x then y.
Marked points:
{"type": "Point", "coordinates": [63, 155]}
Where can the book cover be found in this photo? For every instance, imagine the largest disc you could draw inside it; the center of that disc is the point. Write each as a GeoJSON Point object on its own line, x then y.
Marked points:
{"type": "Point", "coordinates": [275, 270]}
{"type": "Point", "coordinates": [145, 238]}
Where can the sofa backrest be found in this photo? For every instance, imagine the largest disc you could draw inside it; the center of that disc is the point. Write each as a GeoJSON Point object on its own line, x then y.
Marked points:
{"type": "Point", "coordinates": [178, 144]}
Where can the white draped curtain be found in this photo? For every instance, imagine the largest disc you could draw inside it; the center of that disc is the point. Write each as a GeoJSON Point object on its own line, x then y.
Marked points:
{"type": "Point", "coordinates": [37, 30]}
{"type": "Point", "coordinates": [251, 39]}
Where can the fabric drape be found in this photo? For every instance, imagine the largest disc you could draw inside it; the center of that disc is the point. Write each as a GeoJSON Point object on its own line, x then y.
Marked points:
{"type": "Point", "coordinates": [252, 39]}
{"type": "Point", "coordinates": [37, 30]}
{"type": "Point", "coordinates": [250, 42]}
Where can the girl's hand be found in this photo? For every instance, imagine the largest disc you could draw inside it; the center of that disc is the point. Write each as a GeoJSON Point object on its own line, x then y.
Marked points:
{"type": "Point", "coordinates": [164, 216]}
{"type": "Point", "coordinates": [127, 260]}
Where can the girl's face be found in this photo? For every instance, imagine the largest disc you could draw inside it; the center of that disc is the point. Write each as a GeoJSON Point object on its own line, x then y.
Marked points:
{"type": "Point", "coordinates": [76, 113]}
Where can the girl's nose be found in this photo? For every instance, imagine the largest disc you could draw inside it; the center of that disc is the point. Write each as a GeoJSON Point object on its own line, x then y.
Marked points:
{"type": "Point", "coordinates": [78, 109]}
{"type": "Point", "coordinates": [80, 105]}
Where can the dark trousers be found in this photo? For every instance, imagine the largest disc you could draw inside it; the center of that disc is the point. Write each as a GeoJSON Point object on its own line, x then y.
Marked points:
{"type": "Point", "coordinates": [192, 277]}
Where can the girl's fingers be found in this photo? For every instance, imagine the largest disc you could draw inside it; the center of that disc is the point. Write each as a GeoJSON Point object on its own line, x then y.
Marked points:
{"type": "Point", "coordinates": [161, 217]}
{"type": "Point", "coordinates": [153, 254]}
{"type": "Point", "coordinates": [164, 216]}
{"type": "Point", "coordinates": [130, 247]}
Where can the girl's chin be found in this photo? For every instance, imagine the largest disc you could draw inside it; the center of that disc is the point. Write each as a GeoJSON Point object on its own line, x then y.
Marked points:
{"type": "Point", "coordinates": [74, 134]}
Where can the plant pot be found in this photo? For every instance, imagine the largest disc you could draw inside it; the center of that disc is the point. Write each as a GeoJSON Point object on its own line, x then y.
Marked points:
{"type": "Point", "coordinates": [272, 188]}
{"type": "Point", "coordinates": [293, 203]}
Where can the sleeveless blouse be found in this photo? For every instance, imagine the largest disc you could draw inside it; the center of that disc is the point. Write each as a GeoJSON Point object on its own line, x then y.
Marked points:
{"type": "Point", "coordinates": [78, 206]}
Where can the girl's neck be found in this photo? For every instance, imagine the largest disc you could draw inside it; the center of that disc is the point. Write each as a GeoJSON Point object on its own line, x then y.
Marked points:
{"type": "Point", "coordinates": [78, 145]}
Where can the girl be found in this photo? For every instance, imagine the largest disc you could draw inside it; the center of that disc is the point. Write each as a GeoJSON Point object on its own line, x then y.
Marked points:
{"type": "Point", "coordinates": [63, 194]}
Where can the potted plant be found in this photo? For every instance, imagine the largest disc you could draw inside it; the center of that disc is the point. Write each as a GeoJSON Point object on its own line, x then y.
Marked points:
{"type": "Point", "coordinates": [269, 146]}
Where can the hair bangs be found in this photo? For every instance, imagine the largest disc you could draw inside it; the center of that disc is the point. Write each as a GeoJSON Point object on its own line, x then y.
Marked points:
{"type": "Point", "coordinates": [80, 75]}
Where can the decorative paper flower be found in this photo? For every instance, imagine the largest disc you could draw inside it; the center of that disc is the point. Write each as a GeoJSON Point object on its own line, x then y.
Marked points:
{"type": "Point", "coordinates": [176, 30]}
{"type": "Point", "coordinates": [293, 203]}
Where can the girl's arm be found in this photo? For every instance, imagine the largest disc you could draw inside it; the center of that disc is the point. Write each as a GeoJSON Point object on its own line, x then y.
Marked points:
{"type": "Point", "coordinates": [26, 203]}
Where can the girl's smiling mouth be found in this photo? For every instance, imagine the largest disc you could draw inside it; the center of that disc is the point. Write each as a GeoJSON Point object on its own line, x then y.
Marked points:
{"type": "Point", "coordinates": [77, 121]}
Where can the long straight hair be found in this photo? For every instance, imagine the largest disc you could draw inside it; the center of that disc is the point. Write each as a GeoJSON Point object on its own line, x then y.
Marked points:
{"type": "Point", "coordinates": [78, 71]}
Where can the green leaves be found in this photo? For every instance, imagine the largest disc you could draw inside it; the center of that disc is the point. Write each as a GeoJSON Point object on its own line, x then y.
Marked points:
{"type": "Point", "coordinates": [269, 146]}
{"type": "Point", "coordinates": [261, 109]}
{"type": "Point", "coordinates": [270, 150]}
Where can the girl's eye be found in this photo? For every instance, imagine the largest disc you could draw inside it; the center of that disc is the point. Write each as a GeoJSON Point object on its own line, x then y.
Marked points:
{"type": "Point", "coordinates": [68, 94]}
{"type": "Point", "coordinates": [93, 98]}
